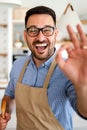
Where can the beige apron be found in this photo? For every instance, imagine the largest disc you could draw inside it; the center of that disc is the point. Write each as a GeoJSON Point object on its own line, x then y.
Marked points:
{"type": "Point", "coordinates": [32, 108]}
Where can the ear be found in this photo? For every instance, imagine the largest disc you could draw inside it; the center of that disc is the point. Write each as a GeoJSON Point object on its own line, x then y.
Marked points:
{"type": "Point", "coordinates": [25, 35]}
{"type": "Point", "coordinates": [56, 32]}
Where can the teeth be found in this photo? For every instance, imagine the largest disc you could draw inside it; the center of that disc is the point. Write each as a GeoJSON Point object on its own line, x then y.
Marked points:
{"type": "Point", "coordinates": [44, 44]}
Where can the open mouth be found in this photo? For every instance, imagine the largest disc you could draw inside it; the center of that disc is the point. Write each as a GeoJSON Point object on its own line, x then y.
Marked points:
{"type": "Point", "coordinates": [41, 47]}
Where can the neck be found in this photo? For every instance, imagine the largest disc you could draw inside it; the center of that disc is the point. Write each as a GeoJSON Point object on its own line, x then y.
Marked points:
{"type": "Point", "coordinates": [39, 62]}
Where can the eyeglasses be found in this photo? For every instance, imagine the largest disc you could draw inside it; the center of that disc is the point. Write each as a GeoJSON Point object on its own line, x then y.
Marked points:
{"type": "Point", "coordinates": [33, 31]}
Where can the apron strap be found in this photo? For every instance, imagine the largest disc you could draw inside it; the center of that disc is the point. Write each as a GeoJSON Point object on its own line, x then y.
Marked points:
{"type": "Point", "coordinates": [50, 71]}
{"type": "Point", "coordinates": [23, 70]}
{"type": "Point", "coordinates": [49, 74]}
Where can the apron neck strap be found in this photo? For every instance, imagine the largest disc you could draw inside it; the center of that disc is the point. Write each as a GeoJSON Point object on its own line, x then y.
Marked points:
{"type": "Point", "coordinates": [23, 71]}
{"type": "Point", "coordinates": [49, 74]}
{"type": "Point", "coordinates": [50, 71]}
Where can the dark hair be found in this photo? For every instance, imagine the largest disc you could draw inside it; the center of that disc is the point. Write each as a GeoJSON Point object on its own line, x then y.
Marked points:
{"type": "Point", "coordinates": [40, 10]}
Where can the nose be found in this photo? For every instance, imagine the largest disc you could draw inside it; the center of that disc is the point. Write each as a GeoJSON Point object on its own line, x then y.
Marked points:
{"type": "Point", "coordinates": [40, 36]}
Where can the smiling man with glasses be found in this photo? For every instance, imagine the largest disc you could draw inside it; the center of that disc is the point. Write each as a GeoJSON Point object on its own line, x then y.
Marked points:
{"type": "Point", "coordinates": [44, 96]}
{"type": "Point", "coordinates": [40, 34]}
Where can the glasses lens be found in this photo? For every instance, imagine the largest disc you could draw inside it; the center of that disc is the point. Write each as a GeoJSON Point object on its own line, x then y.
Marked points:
{"type": "Point", "coordinates": [32, 31]}
{"type": "Point", "coordinates": [48, 31]}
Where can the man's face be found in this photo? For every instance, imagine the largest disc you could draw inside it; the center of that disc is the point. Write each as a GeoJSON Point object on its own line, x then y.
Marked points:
{"type": "Point", "coordinates": [42, 47]}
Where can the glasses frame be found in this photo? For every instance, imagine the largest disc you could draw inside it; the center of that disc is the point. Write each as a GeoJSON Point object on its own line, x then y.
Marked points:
{"type": "Point", "coordinates": [40, 29]}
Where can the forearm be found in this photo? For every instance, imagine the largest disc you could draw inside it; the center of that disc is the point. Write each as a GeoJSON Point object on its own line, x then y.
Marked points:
{"type": "Point", "coordinates": [82, 100]}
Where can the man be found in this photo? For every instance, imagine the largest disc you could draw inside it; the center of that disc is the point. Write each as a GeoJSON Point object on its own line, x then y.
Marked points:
{"type": "Point", "coordinates": [44, 96]}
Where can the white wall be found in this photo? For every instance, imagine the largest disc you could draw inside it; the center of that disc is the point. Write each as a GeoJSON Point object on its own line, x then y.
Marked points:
{"type": "Point", "coordinates": [80, 6]}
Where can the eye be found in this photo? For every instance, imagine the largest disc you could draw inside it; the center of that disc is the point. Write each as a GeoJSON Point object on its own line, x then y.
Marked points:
{"type": "Point", "coordinates": [33, 30]}
{"type": "Point", "coordinates": [48, 31]}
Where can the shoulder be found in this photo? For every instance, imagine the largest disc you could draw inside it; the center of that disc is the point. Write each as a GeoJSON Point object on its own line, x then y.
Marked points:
{"type": "Point", "coordinates": [18, 64]}
{"type": "Point", "coordinates": [21, 61]}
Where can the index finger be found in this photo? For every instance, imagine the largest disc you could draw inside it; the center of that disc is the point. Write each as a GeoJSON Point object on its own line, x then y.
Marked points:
{"type": "Point", "coordinates": [73, 37]}
{"type": "Point", "coordinates": [82, 35]}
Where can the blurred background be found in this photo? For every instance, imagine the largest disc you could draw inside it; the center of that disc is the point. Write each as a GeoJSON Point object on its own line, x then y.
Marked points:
{"type": "Point", "coordinates": [13, 46]}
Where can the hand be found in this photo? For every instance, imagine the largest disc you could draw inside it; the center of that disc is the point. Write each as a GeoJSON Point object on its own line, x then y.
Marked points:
{"type": "Point", "coordinates": [4, 121]}
{"type": "Point", "coordinates": [75, 67]}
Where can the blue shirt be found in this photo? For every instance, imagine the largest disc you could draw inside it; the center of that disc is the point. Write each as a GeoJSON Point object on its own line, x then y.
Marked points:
{"type": "Point", "coordinates": [61, 93]}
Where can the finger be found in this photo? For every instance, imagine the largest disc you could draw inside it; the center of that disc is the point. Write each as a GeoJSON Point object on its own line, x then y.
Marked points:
{"type": "Point", "coordinates": [60, 58]}
{"type": "Point", "coordinates": [7, 116]}
{"type": "Point", "coordinates": [3, 123]}
{"type": "Point", "coordinates": [82, 35]}
{"type": "Point", "coordinates": [60, 61]}
{"type": "Point", "coordinates": [4, 120]}
{"type": "Point", "coordinates": [66, 46]}
{"type": "Point", "coordinates": [3, 127]}
{"type": "Point", "coordinates": [73, 37]}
